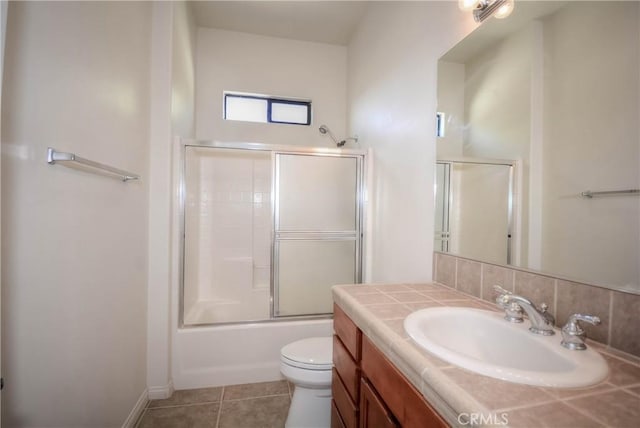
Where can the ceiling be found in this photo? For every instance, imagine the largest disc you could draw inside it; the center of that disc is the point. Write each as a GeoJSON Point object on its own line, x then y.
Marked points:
{"type": "Point", "coordinates": [313, 21]}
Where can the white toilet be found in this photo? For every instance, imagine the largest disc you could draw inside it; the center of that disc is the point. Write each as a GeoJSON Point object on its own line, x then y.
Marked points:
{"type": "Point", "coordinates": [307, 364]}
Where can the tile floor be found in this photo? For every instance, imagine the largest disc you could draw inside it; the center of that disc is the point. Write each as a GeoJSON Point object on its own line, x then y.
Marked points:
{"type": "Point", "coordinates": [255, 405]}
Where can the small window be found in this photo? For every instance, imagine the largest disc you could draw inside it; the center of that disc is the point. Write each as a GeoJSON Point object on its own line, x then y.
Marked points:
{"type": "Point", "coordinates": [439, 124]}
{"type": "Point", "coordinates": [265, 109]}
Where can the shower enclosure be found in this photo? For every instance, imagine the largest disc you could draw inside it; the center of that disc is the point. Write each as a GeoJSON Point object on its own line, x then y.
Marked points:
{"type": "Point", "coordinates": [268, 230]}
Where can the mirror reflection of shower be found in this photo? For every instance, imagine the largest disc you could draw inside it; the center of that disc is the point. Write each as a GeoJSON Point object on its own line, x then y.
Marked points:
{"type": "Point", "coordinates": [324, 129]}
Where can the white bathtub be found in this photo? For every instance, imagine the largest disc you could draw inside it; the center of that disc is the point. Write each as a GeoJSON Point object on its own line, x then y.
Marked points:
{"type": "Point", "coordinates": [235, 354]}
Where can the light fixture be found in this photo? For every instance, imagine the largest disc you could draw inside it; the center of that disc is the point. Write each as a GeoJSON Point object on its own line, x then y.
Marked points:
{"type": "Point", "coordinates": [483, 9]}
{"type": "Point", "coordinates": [505, 10]}
{"type": "Point", "coordinates": [468, 4]}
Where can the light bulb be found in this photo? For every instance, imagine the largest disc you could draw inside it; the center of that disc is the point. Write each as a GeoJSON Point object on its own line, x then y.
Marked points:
{"type": "Point", "coordinates": [505, 10]}
{"type": "Point", "coordinates": [468, 4]}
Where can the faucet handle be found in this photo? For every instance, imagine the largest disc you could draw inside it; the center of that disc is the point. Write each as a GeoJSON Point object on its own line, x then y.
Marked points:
{"type": "Point", "coordinates": [572, 323]}
{"type": "Point", "coordinates": [573, 335]}
{"type": "Point", "coordinates": [500, 290]}
{"type": "Point", "coordinates": [513, 311]}
{"type": "Point", "coordinates": [501, 300]}
{"type": "Point", "coordinates": [546, 314]}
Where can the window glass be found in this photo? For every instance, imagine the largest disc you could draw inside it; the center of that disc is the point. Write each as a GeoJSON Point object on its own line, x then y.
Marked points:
{"type": "Point", "coordinates": [290, 113]}
{"type": "Point", "coordinates": [265, 109]}
{"type": "Point", "coordinates": [246, 109]}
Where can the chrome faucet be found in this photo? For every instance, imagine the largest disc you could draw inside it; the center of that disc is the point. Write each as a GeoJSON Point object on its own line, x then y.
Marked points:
{"type": "Point", "coordinates": [573, 335]}
{"type": "Point", "coordinates": [541, 321]}
{"type": "Point", "coordinates": [512, 311]}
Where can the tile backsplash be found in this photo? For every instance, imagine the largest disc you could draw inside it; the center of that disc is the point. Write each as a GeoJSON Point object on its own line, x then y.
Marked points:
{"type": "Point", "coordinates": [618, 311]}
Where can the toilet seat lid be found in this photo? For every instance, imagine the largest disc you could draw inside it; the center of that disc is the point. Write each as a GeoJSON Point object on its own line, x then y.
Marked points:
{"type": "Point", "coordinates": [314, 353]}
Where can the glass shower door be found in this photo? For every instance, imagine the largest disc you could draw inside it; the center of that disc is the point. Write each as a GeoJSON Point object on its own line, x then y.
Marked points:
{"type": "Point", "coordinates": [317, 230]}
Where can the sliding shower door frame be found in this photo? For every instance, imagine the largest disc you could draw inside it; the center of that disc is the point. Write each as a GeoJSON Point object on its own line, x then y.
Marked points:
{"type": "Point", "coordinates": [181, 184]}
{"type": "Point", "coordinates": [278, 235]}
{"type": "Point", "coordinates": [510, 197]}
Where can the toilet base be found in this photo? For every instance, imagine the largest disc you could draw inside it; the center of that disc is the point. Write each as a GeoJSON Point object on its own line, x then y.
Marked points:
{"type": "Point", "coordinates": [310, 408]}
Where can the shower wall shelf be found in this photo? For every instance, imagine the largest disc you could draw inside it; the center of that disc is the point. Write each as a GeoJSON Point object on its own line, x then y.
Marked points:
{"type": "Point", "coordinates": [54, 156]}
{"type": "Point", "coordinates": [589, 194]}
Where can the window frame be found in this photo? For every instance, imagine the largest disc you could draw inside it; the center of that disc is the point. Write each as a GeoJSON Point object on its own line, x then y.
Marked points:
{"type": "Point", "coordinates": [270, 101]}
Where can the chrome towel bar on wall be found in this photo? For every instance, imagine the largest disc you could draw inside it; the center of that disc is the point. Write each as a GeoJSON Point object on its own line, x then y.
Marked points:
{"type": "Point", "coordinates": [54, 156]}
{"type": "Point", "coordinates": [589, 194]}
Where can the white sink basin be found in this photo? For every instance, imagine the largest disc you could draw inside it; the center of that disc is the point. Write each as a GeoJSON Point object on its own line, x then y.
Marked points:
{"type": "Point", "coordinates": [484, 342]}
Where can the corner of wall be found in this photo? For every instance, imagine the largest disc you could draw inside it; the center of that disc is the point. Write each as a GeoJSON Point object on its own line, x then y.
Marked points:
{"type": "Point", "coordinates": [159, 262]}
{"type": "Point", "coordinates": [137, 410]}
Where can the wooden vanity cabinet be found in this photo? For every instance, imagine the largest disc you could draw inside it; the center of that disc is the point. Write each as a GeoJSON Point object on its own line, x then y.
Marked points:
{"type": "Point", "coordinates": [368, 390]}
{"type": "Point", "coordinates": [345, 384]}
{"type": "Point", "coordinates": [373, 412]}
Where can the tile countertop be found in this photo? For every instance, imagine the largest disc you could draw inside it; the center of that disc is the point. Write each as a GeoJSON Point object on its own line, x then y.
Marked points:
{"type": "Point", "coordinates": [379, 311]}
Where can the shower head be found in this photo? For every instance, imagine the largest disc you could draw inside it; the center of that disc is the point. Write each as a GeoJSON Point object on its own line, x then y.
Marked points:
{"type": "Point", "coordinates": [324, 129]}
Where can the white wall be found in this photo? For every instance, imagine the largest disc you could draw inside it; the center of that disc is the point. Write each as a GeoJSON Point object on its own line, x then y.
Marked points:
{"type": "Point", "coordinates": [183, 70]}
{"type": "Point", "coordinates": [392, 107]}
{"type": "Point", "coordinates": [160, 269]}
{"type": "Point", "coordinates": [497, 99]}
{"type": "Point", "coordinates": [172, 78]}
{"type": "Point", "coordinates": [74, 244]}
{"type": "Point", "coordinates": [592, 145]}
{"type": "Point", "coordinates": [4, 7]}
{"type": "Point", "coordinates": [451, 78]}
{"type": "Point", "coordinates": [231, 61]}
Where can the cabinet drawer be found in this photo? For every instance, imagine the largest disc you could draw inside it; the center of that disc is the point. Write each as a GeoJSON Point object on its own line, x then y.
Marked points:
{"type": "Point", "coordinates": [405, 402]}
{"type": "Point", "coordinates": [348, 332]}
{"type": "Point", "coordinates": [336, 419]}
{"type": "Point", "coordinates": [346, 407]}
{"type": "Point", "coordinates": [346, 368]}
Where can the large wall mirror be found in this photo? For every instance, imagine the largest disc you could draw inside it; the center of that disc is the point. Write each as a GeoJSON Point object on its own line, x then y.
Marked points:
{"type": "Point", "coordinates": [552, 92]}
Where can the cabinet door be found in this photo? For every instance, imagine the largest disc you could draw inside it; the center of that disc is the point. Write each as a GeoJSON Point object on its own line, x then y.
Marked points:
{"type": "Point", "coordinates": [373, 412]}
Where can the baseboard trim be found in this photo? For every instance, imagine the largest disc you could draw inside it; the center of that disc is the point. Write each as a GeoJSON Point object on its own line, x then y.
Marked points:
{"type": "Point", "coordinates": [137, 410]}
{"type": "Point", "coordinates": [161, 392]}
{"type": "Point", "coordinates": [228, 375]}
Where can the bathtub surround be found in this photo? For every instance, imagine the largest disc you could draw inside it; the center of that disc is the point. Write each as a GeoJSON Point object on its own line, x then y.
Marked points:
{"type": "Point", "coordinates": [618, 311]}
{"type": "Point", "coordinates": [227, 235]}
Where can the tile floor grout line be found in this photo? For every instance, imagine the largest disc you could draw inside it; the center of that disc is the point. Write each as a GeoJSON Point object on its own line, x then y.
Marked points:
{"type": "Point", "coordinates": [220, 408]}
{"type": "Point", "coordinates": [254, 398]}
{"type": "Point", "coordinates": [201, 403]}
